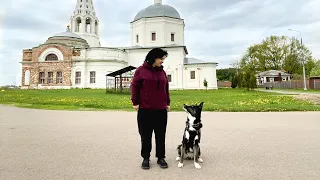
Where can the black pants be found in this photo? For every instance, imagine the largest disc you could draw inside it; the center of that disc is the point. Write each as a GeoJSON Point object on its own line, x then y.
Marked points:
{"type": "Point", "coordinates": [149, 121]}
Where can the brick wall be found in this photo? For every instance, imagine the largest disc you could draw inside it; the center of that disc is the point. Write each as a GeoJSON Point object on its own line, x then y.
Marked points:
{"type": "Point", "coordinates": [224, 84]}
{"type": "Point", "coordinates": [36, 67]}
{"type": "Point", "coordinates": [27, 55]}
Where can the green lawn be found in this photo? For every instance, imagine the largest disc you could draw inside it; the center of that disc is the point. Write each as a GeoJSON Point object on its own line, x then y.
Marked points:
{"type": "Point", "coordinates": [214, 100]}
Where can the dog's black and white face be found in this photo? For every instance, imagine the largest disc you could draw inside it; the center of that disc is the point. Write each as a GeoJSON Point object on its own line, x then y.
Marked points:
{"type": "Point", "coordinates": [194, 115]}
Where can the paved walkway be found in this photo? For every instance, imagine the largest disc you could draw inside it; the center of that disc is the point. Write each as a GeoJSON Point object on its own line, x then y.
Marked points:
{"type": "Point", "coordinates": [43, 144]}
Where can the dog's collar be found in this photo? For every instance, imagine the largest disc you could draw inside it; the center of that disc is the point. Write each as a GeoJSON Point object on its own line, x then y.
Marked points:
{"type": "Point", "coordinates": [196, 126]}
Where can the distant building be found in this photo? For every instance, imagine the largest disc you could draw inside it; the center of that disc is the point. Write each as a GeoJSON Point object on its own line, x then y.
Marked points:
{"type": "Point", "coordinates": [272, 76]}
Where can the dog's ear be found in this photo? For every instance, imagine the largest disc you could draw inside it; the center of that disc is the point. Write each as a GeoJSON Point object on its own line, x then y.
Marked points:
{"type": "Point", "coordinates": [201, 105]}
{"type": "Point", "coordinates": [185, 107]}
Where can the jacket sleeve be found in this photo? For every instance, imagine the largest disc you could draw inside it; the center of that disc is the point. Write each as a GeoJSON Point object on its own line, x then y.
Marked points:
{"type": "Point", "coordinates": [135, 87]}
{"type": "Point", "coordinates": [167, 91]}
{"type": "Point", "coordinates": [168, 94]}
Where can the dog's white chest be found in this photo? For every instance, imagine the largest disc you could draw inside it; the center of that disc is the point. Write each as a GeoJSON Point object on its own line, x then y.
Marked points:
{"type": "Point", "coordinates": [187, 136]}
{"type": "Point", "coordinates": [191, 120]}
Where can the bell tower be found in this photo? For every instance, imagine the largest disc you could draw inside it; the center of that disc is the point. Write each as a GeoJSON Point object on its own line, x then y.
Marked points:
{"type": "Point", "coordinates": [85, 23]}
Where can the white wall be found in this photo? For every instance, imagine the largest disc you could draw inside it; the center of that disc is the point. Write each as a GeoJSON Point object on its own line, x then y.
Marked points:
{"type": "Point", "coordinates": [102, 54]}
{"type": "Point", "coordinates": [202, 71]}
{"type": "Point", "coordinates": [92, 39]}
{"type": "Point", "coordinates": [102, 62]}
{"type": "Point", "coordinates": [101, 69]}
{"type": "Point", "coordinates": [162, 26]}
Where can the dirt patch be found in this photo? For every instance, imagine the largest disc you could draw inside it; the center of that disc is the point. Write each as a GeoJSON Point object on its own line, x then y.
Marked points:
{"type": "Point", "coordinates": [313, 98]}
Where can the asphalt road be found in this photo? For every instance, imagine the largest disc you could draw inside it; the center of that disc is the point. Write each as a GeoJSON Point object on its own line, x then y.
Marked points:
{"type": "Point", "coordinates": [43, 144]}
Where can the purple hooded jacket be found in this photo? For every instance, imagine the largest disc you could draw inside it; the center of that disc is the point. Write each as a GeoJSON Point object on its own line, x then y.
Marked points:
{"type": "Point", "coordinates": [150, 88]}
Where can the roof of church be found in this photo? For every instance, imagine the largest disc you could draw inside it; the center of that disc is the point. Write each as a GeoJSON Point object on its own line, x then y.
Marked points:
{"type": "Point", "coordinates": [158, 10]}
{"type": "Point", "coordinates": [68, 38]}
{"type": "Point", "coordinates": [196, 61]}
{"type": "Point", "coordinates": [68, 34]}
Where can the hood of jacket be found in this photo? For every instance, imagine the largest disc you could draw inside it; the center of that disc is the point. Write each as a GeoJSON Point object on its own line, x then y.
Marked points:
{"type": "Point", "coordinates": [145, 64]}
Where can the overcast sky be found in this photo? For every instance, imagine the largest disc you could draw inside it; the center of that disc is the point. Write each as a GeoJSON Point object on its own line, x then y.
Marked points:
{"type": "Point", "coordinates": [216, 30]}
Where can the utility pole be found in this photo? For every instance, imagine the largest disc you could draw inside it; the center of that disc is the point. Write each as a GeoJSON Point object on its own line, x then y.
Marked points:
{"type": "Point", "coordinates": [302, 58]}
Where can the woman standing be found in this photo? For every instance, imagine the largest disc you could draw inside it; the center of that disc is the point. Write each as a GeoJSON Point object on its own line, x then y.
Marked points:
{"type": "Point", "coordinates": [150, 97]}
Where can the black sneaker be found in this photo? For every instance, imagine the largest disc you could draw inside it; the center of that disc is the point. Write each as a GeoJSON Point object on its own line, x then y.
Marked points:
{"type": "Point", "coordinates": [145, 164]}
{"type": "Point", "coordinates": [162, 163]}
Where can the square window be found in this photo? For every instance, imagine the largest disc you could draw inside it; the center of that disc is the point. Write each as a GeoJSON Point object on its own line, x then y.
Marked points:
{"type": "Point", "coordinates": [192, 75]}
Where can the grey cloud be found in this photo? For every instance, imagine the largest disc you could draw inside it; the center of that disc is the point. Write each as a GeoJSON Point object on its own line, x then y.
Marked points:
{"type": "Point", "coordinates": [205, 6]}
{"type": "Point", "coordinates": [254, 13]}
{"type": "Point", "coordinates": [18, 21]}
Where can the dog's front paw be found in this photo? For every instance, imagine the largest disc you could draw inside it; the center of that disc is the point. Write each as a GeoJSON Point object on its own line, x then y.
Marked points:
{"type": "Point", "coordinates": [197, 165]}
{"type": "Point", "coordinates": [200, 160]}
{"type": "Point", "coordinates": [178, 159]}
{"type": "Point", "coordinates": [180, 165]}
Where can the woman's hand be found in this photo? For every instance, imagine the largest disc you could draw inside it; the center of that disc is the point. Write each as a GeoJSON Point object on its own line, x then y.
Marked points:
{"type": "Point", "coordinates": [168, 108]}
{"type": "Point", "coordinates": [136, 107]}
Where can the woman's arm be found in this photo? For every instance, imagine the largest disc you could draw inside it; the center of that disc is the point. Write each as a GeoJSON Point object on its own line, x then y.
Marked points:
{"type": "Point", "coordinates": [135, 87]}
{"type": "Point", "coordinates": [168, 94]}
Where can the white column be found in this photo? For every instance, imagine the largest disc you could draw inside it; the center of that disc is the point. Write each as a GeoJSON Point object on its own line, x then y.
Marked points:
{"type": "Point", "coordinates": [83, 25]}
{"type": "Point", "coordinates": [180, 76]}
{"type": "Point", "coordinates": [73, 26]}
{"type": "Point", "coordinates": [93, 26]}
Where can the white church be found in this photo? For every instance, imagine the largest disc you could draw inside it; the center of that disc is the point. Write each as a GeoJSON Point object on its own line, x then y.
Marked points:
{"type": "Point", "coordinates": [76, 59]}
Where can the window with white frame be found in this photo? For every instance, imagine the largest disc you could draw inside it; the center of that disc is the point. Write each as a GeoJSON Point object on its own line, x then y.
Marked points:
{"type": "Point", "coordinates": [51, 57]}
{"type": "Point", "coordinates": [50, 77]}
{"type": "Point", "coordinates": [78, 77]}
{"type": "Point", "coordinates": [42, 78]}
{"type": "Point", "coordinates": [59, 77]}
{"type": "Point", "coordinates": [92, 77]}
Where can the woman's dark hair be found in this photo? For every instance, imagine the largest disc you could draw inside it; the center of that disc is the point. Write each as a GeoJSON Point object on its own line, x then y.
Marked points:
{"type": "Point", "coordinates": [154, 54]}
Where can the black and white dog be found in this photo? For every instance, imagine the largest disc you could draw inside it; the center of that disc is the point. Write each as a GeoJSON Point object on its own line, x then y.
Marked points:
{"type": "Point", "coordinates": [190, 147]}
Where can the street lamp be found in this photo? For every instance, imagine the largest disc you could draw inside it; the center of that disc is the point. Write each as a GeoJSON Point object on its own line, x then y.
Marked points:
{"type": "Point", "coordinates": [302, 57]}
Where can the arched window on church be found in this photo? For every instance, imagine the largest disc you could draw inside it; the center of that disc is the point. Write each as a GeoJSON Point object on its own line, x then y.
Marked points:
{"type": "Point", "coordinates": [88, 25]}
{"type": "Point", "coordinates": [78, 24]}
{"type": "Point", "coordinates": [51, 57]}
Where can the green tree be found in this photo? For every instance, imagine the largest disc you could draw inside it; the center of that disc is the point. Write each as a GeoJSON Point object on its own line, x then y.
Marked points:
{"type": "Point", "coordinates": [316, 70]}
{"type": "Point", "coordinates": [275, 53]}
{"type": "Point", "coordinates": [234, 81]}
{"type": "Point", "coordinates": [310, 64]}
{"type": "Point", "coordinates": [225, 74]}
